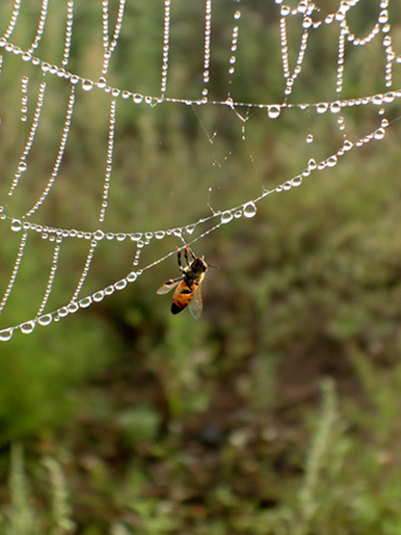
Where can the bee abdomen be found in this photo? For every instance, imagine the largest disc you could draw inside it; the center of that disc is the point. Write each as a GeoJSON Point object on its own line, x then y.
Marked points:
{"type": "Point", "coordinates": [181, 298]}
{"type": "Point", "coordinates": [176, 308]}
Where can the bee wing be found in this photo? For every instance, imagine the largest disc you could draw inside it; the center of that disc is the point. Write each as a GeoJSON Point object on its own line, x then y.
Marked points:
{"type": "Point", "coordinates": [196, 304]}
{"type": "Point", "coordinates": [169, 285]}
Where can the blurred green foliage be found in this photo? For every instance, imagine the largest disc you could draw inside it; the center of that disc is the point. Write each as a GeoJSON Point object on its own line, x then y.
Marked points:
{"type": "Point", "coordinates": [41, 372]}
{"type": "Point", "coordinates": [161, 424]}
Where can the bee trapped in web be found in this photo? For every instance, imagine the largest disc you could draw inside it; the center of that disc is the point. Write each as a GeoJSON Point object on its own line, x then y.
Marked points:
{"type": "Point", "coordinates": [188, 286]}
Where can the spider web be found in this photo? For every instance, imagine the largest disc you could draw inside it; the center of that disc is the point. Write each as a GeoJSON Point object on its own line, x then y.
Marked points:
{"type": "Point", "coordinates": [94, 82]}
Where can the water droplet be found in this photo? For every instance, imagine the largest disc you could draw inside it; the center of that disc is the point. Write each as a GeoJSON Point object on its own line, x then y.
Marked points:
{"type": "Point", "coordinates": [279, 188]}
{"type": "Point", "coordinates": [273, 111]}
{"type": "Point", "coordinates": [332, 161]}
{"type": "Point", "coordinates": [136, 237]}
{"type": "Point", "coordinates": [85, 302]}
{"type": "Point", "coordinates": [383, 17]}
{"type": "Point", "coordinates": [238, 214]}
{"type": "Point", "coordinates": [98, 296]}
{"type": "Point", "coordinates": [28, 327]}
{"type": "Point", "coordinates": [287, 185]}
{"type": "Point", "coordinates": [309, 138]}
{"type": "Point", "coordinates": [98, 235]}
{"type": "Point", "coordinates": [312, 164]}
{"type": "Point", "coordinates": [226, 216]}
{"type": "Point", "coordinates": [109, 290]}
{"type": "Point", "coordinates": [296, 181]}
{"type": "Point", "coordinates": [62, 312]}
{"type": "Point", "coordinates": [22, 167]}
{"type": "Point", "coordinates": [6, 334]}
{"type": "Point", "coordinates": [190, 229]}
{"type": "Point", "coordinates": [101, 83]}
{"type": "Point", "coordinates": [45, 320]}
{"type": "Point", "coordinates": [120, 237]}
{"type": "Point", "coordinates": [72, 307]}
{"type": "Point", "coordinates": [131, 277]}
{"type": "Point", "coordinates": [16, 225]}
{"type": "Point", "coordinates": [389, 97]}
{"type": "Point", "coordinates": [137, 98]}
{"type": "Point", "coordinates": [347, 145]}
{"type": "Point", "coordinates": [160, 234]}
{"type": "Point", "coordinates": [335, 107]}
{"type": "Point", "coordinates": [380, 133]}
{"type": "Point", "coordinates": [120, 285]}
{"type": "Point", "coordinates": [322, 107]}
{"type": "Point", "coordinates": [249, 209]}
{"type": "Point", "coordinates": [377, 100]}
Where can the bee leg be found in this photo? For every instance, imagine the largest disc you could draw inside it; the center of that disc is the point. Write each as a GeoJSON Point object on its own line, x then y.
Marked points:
{"type": "Point", "coordinates": [179, 259]}
{"type": "Point", "coordinates": [186, 254]}
{"type": "Point", "coordinates": [190, 251]}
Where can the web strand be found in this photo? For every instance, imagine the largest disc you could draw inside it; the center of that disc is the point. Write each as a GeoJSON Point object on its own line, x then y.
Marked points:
{"type": "Point", "coordinates": [60, 154]}
{"type": "Point", "coordinates": [40, 28]}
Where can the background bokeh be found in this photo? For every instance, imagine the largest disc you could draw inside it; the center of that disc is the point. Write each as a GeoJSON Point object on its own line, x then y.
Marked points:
{"type": "Point", "coordinates": [279, 411]}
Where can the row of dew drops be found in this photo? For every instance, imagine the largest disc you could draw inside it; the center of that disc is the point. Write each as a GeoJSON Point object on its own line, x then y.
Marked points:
{"type": "Point", "coordinates": [247, 210]}
{"type": "Point", "coordinates": [273, 110]}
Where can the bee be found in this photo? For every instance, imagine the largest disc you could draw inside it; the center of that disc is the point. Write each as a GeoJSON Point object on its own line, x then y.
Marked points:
{"type": "Point", "coordinates": [188, 286]}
